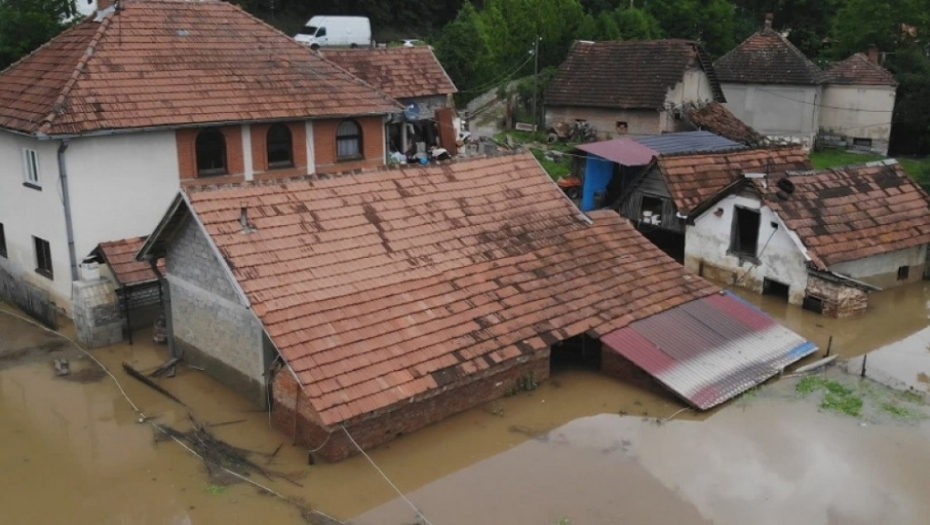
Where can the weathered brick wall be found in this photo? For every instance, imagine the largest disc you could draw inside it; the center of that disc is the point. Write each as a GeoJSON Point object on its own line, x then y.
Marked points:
{"type": "Point", "coordinates": [259, 139]}
{"type": "Point", "coordinates": [324, 145]}
{"type": "Point", "coordinates": [305, 428]}
{"type": "Point", "coordinates": [98, 319]}
{"type": "Point", "coordinates": [187, 155]}
{"type": "Point", "coordinates": [838, 300]}
{"type": "Point", "coordinates": [212, 327]}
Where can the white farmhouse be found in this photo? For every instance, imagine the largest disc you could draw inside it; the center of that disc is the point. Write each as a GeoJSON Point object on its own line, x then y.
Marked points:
{"type": "Point", "coordinates": [858, 103]}
{"type": "Point", "coordinates": [771, 86]}
{"type": "Point", "coordinates": [101, 125]}
{"type": "Point", "coordinates": [819, 238]}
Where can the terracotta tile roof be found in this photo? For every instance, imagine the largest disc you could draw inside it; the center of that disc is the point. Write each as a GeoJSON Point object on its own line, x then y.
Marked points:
{"type": "Point", "coordinates": [717, 119]}
{"type": "Point", "coordinates": [381, 288]}
{"type": "Point", "coordinates": [854, 212]}
{"type": "Point", "coordinates": [626, 75]}
{"type": "Point", "coordinates": [175, 63]}
{"type": "Point", "coordinates": [694, 178]}
{"type": "Point", "coordinates": [767, 57]}
{"type": "Point", "coordinates": [858, 70]}
{"type": "Point", "coordinates": [120, 256]}
{"type": "Point", "coordinates": [401, 72]}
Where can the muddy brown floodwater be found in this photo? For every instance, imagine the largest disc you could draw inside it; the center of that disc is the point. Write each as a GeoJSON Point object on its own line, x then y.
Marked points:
{"type": "Point", "coordinates": [74, 452]}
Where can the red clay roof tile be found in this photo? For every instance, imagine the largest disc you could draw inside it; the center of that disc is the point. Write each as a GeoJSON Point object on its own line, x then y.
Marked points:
{"type": "Point", "coordinates": [767, 57]}
{"type": "Point", "coordinates": [401, 72]}
{"type": "Point", "coordinates": [175, 63]}
{"type": "Point", "coordinates": [491, 257]}
{"type": "Point", "coordinates": [120, 256]}
{"type": "Point", "coordinates": [894, 212]}
{"type": "Point", "coordinates": [858, 70]}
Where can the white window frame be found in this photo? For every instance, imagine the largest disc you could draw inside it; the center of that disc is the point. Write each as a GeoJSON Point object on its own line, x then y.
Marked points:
{"type": "Point", "coordinates": [31, 169]}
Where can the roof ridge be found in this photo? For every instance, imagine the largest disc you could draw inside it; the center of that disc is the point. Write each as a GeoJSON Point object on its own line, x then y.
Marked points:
{"type": "Point", "coordinates": [741, 149]}
{"type": "Point", "coordinates": [59, 104]}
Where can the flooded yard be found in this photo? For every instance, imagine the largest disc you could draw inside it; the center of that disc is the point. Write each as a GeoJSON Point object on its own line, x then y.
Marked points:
{"type": "Point", "coordinates": [582, 447]}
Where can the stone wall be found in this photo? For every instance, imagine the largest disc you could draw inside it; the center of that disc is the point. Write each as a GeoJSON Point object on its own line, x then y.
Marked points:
{"type": "Point", "coordinates": [30, 299]}
{"type": "Point", "coordinates": [213, 329]}
{"type": "Point", "coordinates": [293, 415]}
{"type": "Point", "coordinates": [838, 300]}
{"type": "Point", "coordinates": [98, 319]}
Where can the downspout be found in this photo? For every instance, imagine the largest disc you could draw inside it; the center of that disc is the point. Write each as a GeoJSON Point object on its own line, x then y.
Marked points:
{"type": "Point", "coordinates": [66, 201]}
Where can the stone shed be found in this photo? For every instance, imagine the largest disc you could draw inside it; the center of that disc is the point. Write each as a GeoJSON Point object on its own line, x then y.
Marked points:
{"type": "Point", "coordinates": [822, 239]}
{"type": "Point", "coordinates": [373, 304]}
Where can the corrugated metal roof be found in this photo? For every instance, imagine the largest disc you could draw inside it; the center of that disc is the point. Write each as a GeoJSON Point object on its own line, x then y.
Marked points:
{"type": "Point", "coordinates": [622, 151]}
{"type": "Point", "coordinates": [640, 151]}
{"type": "Point", "coordinates": [710, 349]}
{"type": "Point", "coordinates": [688, 141]}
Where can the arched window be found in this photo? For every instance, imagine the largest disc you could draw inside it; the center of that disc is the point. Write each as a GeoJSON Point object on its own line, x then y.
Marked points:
{"type": "Point", "coordinates": [211, 153]}
{"type": "Point", "coordinates": [280, 147]}
{"type": "Point", "coordinates": [348, 140]}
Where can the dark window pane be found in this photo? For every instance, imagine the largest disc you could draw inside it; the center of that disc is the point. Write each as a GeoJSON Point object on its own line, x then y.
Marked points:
{"type": "Point", "coordinates": [280, 147]}
{"type": "Point", "coordinates": [211, 152]}
{"type": "Point", "coordinates": [43, 257]}
{"type": "Point", "coordinates": [348, 140]}
{"type": "Point", "coordinates": [2, 242]}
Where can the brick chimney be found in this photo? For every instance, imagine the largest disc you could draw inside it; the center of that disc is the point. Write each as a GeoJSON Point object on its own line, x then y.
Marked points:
{"type": "Point", "coordinates": [873, 54]}
{"type": "Point", "coordinates": [769, 17]}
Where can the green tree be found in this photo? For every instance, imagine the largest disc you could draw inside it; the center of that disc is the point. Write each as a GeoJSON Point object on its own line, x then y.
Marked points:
{"type": "Point", "coordinates": [464, 52]}
{"type": "Point", "coordinates": [27, 24]}
{"type": "Point", "coordinates": [712, 22]}
{"type": "Point", "coordinates": [637, 24]}
{"type": "Point", "coordinates": [861, 23]}
{"type": "Point", "coordinates": [807, 22]}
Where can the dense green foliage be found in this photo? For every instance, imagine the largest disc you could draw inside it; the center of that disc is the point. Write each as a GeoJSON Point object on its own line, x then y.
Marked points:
{"type": "Point", "coordinates": [27, 24]}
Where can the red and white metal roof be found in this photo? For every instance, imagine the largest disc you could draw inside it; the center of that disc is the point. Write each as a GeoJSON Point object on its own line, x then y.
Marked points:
{"type": "Point", "coordinates": [709, 350]}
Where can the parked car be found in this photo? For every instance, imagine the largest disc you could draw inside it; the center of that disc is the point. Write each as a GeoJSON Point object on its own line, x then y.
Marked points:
{"type": "Point", "coordinates": [321, 31]}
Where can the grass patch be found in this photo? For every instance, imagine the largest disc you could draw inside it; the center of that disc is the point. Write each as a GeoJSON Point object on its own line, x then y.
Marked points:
{"type": "Point", "coordinates": [901, 412]}
{"type": "Point", "coordinates": [917, 169]}
{"type": "Point", "coordinates": [838, 397]}
{"type": "Point", "coordinates": [555, 169]}
{"type": "Point", "coordinates": [910, 396]}
{"type": "Point", "coordinates": [830, 158]}
{"type": "Point", "coordinates": [213, 488]}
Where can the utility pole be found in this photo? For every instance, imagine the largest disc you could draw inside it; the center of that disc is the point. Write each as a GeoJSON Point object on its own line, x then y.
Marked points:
{"type": "Point", "coordinates": [536, 82]}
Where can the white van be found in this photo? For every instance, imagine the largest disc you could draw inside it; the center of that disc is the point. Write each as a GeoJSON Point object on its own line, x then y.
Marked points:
{"type": "Point", "coordinates": [320, 31]}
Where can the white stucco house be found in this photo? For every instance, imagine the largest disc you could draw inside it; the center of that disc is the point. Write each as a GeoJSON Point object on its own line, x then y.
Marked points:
{"type": "Point", "coordinates": [631, 87]}
{"type": "Point", "coordinates": [822, 239]}
{"type": "Point", "coordinates": [100, 126]}
{"type": "Point", "coordinates": [858, 104]}
{"type": "Point", "coordinates": [772, 87]}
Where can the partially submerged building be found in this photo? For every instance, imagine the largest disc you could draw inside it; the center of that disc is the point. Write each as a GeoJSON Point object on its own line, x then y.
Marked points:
{"type": "Point", "coordinates": [631, 87]}
{"type": "Point", "coordinates": [823, 239]}
{"type": "Point", "coordinates": [101, 125]}
{"type": "Point", "coordinates": [374, 304]}
{"type": "Point", "coordinates": [773, 87]}
{"type": "Point", "coordinates": [416, 79]}
{"type": "Point", "coordinates": [610, 165]}
{"type": "Point", "coordinates": [858, 104]}
{"type": "Point", "coordinates": [664, 197]}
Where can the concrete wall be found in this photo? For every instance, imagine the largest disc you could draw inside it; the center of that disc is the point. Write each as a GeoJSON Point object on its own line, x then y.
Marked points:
{"type": "Point", "coordinates": [213, 328]}
{"type": "Point", "coordinates": [694, 87]}
{"type": "Point", "coordinates": [604, 121]}
{"type": "Point", "coordinates": [882, 270]}
{"type": "Point", "coordinates": [294, 417]}
{"type": "Point", "coordinates": [851, 112]}
{"type": "Point", "coordinates": [782, 113]}
{"type": "Point", "coordinates": [707, 243]}
{"type": "Point", "coordinates": [26, 212]}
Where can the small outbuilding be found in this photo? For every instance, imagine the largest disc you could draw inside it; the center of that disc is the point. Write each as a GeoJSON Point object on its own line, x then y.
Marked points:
{"type": "Point", "coordinates": [858, 104]}
{"type": "Point", "coordinates": [660, 201]}
{"type": "Point", "coordinates": [367, 306]}
{"type": "Point", "coordinates": [773, 87]}
{"type": "Point", "coordinates": [631, 87]}
{"type": "Point", "coordinates": [822, 239]}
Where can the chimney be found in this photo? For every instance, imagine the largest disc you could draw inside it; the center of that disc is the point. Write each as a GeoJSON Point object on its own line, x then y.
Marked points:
{"type": "Point", "coordinates": [244, 219]}
{"type": "Point", "coordinates": [769, 17]}
{"type": "Point", "coordinates": [873, 54]}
